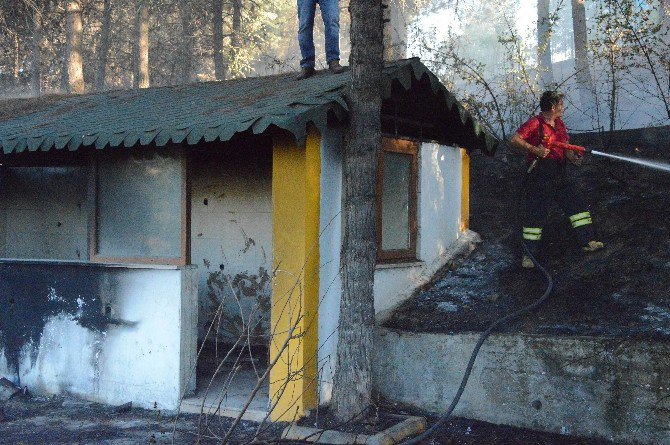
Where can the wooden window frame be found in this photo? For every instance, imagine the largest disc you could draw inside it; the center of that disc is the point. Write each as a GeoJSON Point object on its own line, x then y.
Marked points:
{"type": "Point", "coordinates": [185, 236]}
{"type": "Point", "coordinates": [404, 146]}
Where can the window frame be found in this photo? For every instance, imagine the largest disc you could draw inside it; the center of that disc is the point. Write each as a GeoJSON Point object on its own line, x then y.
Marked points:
{"type": "Point", "coordinates": [185, 233]}
{"type": "Point", "coordinates": [409, 147]}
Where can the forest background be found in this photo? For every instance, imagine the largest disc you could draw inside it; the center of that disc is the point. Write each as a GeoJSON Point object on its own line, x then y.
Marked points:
{"type": "Point", "coordinates": [610, 57]}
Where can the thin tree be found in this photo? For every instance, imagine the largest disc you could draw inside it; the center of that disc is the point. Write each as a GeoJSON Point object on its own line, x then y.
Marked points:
{"type": "Point", "coordinates": [73, 56]}
{"type": "Point", "coordinates": [583, 72]}
{"type": "Point", "coordinates": [141, 46]}
{"type": "Point", "coordinates": [353, 376]}
{"type": "Point", "coordinates": [544, 30]}
{"type": "Point", "coordinates": [396, 22]}
{"type": "Point", "coordinates": [236, 33]}
{"type": "Point", "coordinates": [217, 40]}
{"type": "Point", "coordinates": [36, 51]}
{"type": "Point", "coordinates": [187, 43]}
{"type": "Point", "coordinates": [103, 49]}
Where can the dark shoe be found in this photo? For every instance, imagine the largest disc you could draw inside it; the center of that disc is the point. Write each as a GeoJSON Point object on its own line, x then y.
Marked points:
{"type": "Point", "coordinates": [305, 72]}
{"type": "Point", "coordinates": [335, 67]}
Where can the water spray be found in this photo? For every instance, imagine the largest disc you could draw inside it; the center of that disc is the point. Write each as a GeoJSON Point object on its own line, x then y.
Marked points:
{"type": "Point", "coordinates": [663, 166]}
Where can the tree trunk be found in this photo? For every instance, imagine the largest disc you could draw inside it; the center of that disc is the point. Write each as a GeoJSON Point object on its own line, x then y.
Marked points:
{"type": "Point", "coordinates": [544, 29]}
{"type": "Point", "coordinates": [36, 55]}
{"type": "Point", "coordinates": [583, 73]}
{"type": "Point", "coordinates": [17, 60]}
{"type": "Point", "coordinates": [664, 18]}
{"type": "Point", "coordinates": [352, 389]}
{"type": "Point", "coordinates": [236, 35]}
{"type": "Point", "coordinates": [187, 44]}
{"type": "Point", "coordinates": [141, 47]}
{"type": "Point", "coordinates": [217, 43]}
{"type": "Point", "coordinates": [73, 57]}
{"type": "Point", "coordinates": [103, 50]}
{"type": "Point", "coordinates": [396, 21]}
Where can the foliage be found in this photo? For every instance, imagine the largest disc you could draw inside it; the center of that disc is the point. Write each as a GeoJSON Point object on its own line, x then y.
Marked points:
{"type": "Point", "coordinates": [261, 41]}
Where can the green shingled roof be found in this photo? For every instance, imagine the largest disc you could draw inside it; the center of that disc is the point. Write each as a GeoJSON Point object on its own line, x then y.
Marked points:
{"type": "Point", "coordinates": [203, 111]}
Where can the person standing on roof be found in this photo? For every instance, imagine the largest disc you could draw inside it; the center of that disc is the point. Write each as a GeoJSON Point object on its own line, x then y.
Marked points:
{"type": "Point", "coordinates": [546, 180]}
{"type": "Point", "coordinates": [330, 12]}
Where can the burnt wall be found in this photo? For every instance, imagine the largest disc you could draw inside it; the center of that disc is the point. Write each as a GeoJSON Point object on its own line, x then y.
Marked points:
{"type": "Point", "coordinates": [30, 294]}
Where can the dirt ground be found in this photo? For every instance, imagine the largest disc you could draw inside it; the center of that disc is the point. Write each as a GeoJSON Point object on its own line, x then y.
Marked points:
{"type": "Point", "coordinates": [622, 291]}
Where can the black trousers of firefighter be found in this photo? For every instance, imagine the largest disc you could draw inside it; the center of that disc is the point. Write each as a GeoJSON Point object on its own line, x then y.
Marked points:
{"type": "Point", "coordinates": [544, 185]}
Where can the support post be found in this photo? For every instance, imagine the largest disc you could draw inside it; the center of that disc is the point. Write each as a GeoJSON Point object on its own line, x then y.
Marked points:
{"type": "Point", "coordinates": [296, 175]}
{"type": "Point", "coordinates": [465, 190]}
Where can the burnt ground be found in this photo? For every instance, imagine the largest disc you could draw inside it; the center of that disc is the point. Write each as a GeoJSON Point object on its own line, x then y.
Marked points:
{"type": "Point", "coordinates": [622, 291]}
{"type": "Point", "coordinates": [457, 431]}
{"type": "Point", "coordinates": [65, 420]}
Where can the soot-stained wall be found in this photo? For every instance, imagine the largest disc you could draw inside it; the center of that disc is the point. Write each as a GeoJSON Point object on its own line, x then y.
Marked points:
{"type": "Point", "coordinates": [231, 233]}
{"type": "Point", "coordinates": [43, 213]}
{"type": "Point", "coordinates": [111, 334]}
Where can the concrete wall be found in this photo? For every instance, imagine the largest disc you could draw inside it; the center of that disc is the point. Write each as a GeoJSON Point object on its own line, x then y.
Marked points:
{"type": "Point", "coordinates": [44, 213]}
{"type": "Point", "coordinates": [231, 232]}
{"type": "Point", "coordinates": [610, 388]}
{"type": "Point", "coordinates": [108, 334]}
{"type": "Point", "coordinates": [439, 218]}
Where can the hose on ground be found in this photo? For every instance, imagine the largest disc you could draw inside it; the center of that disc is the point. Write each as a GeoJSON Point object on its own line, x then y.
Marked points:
{"type": "Point", "coordinates": [530, 308]}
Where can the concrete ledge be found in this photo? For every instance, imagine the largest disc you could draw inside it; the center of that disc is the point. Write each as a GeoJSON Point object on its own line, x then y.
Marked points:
{"type": "Point", "coordinates": [195, 407]}
{"type": "Point", "coordinates": [599, 387]}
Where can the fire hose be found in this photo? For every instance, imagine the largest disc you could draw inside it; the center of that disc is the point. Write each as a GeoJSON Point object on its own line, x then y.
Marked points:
{"type": "Point", "coordinates": [532, 307]}
{"type": "Point", "coordinates": [484, 335]}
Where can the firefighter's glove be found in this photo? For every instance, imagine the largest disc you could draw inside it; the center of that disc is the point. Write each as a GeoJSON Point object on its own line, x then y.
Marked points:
{"type": "Point", "coordinates": [574, 158]}
{"type": "Point", "coordinates": [541, 151]}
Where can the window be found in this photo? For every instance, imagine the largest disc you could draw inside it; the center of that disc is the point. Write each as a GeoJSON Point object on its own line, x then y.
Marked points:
{"type": "Point", "coordinates": [396, 201]}
{"type": "Point", "coordinates": [43, 212]}
{"type": "Point", "coordinates": [141, 209]}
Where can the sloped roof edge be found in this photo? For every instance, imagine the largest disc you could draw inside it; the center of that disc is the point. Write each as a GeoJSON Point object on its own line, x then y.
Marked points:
{"type": "Point", "coordinates": [207, 111]}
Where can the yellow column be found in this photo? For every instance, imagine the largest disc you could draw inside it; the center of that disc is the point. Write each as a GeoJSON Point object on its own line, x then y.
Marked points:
{"type": "Point", "coordinates": [465, 190]}
{"type": "Point", "coordinates": [296, 173]}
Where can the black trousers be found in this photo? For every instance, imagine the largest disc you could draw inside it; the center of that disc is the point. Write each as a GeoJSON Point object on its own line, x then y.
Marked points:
{"type": "Point", "coordinates": [545, 184]}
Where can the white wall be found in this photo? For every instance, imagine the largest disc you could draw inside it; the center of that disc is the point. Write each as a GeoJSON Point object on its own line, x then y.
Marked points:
{"type": "Point", "coordinates": [330, 240]}
{"type": "Point", "coordinates": [232, 238]}
{"type": "Point", "coordinates": [439, 238]}
{"type": "Point", "coordinates": [439, 220]}
{"type": "Point", "coordinates": [44, 213]}
{"type": "Point", "coordinates": [148, 361]}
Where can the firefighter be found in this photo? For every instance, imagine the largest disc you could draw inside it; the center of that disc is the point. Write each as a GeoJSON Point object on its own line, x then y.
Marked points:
{"type": "Point", "coordinates": [546, 181]}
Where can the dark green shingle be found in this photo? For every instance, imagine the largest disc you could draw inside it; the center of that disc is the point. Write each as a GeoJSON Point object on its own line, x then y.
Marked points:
{"type": "Point", "coordinates": [191, 113]}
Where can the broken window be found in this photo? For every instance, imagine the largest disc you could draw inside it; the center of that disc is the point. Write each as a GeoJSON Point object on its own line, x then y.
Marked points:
{"type": "Point", "coordinates": [140, 212]}
{"type": "Point", "coordinates": [396, 200]}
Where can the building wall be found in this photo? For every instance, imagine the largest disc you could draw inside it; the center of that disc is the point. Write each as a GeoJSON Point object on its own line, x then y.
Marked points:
{"type": "Point", "coordinates": [330, 241]}
{"type": "Point", "coordinates": [439, 222]}
{"type": "Point", "coordinates": [44, 213]}
{"type": "Point", "coordinates": [439, 238]}
{"type": "Point", "coordinates": [108, 334]}
{"type": "Point", "coordinates": [231, 233]}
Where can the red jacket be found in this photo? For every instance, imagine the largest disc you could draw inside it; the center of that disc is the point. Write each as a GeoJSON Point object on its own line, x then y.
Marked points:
{"type": "Point", "coordinates": [530, 132]}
